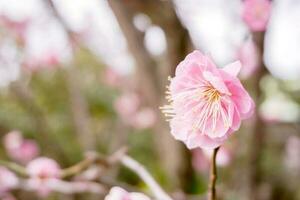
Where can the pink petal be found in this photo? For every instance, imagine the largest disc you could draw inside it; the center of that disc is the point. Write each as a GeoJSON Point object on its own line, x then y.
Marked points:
{"type": "Point", "coordinates": [216, 82]}
{"type": "Point", "coordinates": [221, 128]}
{"type": "Point", "coordinates": [203, 141]}
{"type": "Point", "coordinates": [179, 129]}
{"type": "Point", "coordinates": [233, 68]}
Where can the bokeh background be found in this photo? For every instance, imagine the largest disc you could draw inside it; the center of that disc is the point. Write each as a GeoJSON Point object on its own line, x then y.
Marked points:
{"type": "Point", "coordinates": [82, 75]}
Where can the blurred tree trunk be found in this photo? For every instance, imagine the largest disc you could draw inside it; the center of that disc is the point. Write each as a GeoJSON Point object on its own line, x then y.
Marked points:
{"type": "Point", "coordinates": [79, 110]}
{"type": "Point", "coordinates": [259, 134]}
{"type": "Point", "coordinates": [79, 106]}
{"type": "Point", "coordinates": [172, 154]}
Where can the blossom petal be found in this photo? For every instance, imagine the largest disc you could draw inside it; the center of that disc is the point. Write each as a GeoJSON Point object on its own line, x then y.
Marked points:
{"type": "Point", "coordinates": [233, 68]}
{"type": "Point", "coordinates": [203, 141]}
{"type": "Point", "coordinates": [216, 82]}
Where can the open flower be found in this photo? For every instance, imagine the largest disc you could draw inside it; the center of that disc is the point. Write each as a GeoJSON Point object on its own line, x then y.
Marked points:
{"type": "Point", "coordinates": [256, 14]}
{"type": "Point", "coordinates": [117, 193]}
{"type": "Point", "coordinates": [42, 171]}
{"type": "Point", "coordinates": [207, 104]}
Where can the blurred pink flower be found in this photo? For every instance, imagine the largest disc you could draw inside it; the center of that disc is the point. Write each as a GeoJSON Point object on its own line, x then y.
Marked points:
{"type": "Point", "coordinates": [13, 140]}
{"type": "Point", "coordinates": [43, 168]}
{"type": "Point", "coordinates": [20, 149]}
{"type": "Point", "coordinates": [248, 55]}
{"type": "Point", "coordinates": [145, 118]}
{"type": "Point", "coordinates": [8, 181]}
{"type": "Point", "coordinates": [112, 78]}
{"type": "Point", "coordinates": [117, 193]}
{"type": "Point", "coordinates": [18, 28]}
{"type": "Point", "coordinates": [128, 108]}
{"type": "Point", "coordinates": [207, 104]}
{"type": "Point", "coordinates": [47, 60]}
{"type": "Point", "coordinates": [127, 105]}
{"type": "Point", "coordinates": [256, 14]}
{"type": "Point", "coordinates": [42, 172]}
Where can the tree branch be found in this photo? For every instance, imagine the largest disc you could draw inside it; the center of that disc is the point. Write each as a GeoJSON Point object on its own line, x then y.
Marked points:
{"type": "Point", "coordinates": [146, 177]}
{"type": "Point", "coordinates": [96, 159]}
{"type": "Point", "coordinates": [213, 175]}
{"type": "Point", "coordinates": [18, 169]}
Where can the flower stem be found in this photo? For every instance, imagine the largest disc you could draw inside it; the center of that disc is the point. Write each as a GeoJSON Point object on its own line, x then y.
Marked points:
{"type": "Point", "coordinates": [213, 176]}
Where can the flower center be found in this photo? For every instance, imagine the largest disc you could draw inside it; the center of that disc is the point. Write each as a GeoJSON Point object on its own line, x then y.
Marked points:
{"type": "Point", "coordinates": [211, 94]}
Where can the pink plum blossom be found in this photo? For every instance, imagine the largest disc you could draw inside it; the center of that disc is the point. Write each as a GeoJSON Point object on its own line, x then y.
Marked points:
{"type": "Point", "coordinates": [17, 28]}
{"type": "Point", "coordinates": [248, 55]}
{"type": "Point", "coordinates": [131, 113]}
{"type": "Point", "coordinates": [42, 171]}
{"type": "Point", "coordinates": [43, 168]}
{"type": "Point", "coordinates": [46, 60]}
{"type": "Point", "coordinates": [207, 104]}
{"type": "Point", "coordinates": [20, 149]}
{"type": "Point", "coordinates": [112, 78]}
{"type": "Point", "coordinates": [128, 108]}
{"type": "Point", "coordinates": [117, 193]}
{"type": "Point", "coordinates": [256, 14]}
{"type": "Point", "coordinates": [13, 140]}
{"type": "Point", "coordinates": [127, 105]}
{"type": "Point", "coordinates": [8, 181]}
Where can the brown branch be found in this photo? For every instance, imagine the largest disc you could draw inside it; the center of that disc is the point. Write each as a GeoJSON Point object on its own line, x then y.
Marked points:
{"type": "Point", "coordinates": [79, 167]}
{"type": "Point", "coordinates": [213, 175]}
{"type": "Point", "coordinates": [91, 159]}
